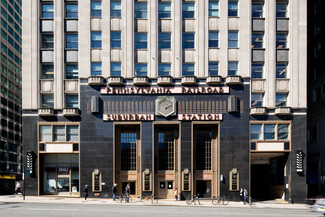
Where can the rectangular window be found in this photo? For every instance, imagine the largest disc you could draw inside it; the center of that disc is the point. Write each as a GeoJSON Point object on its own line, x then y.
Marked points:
{"type": "Point", "coordinates": [71, 41]}
{"type": "Point", "coordinates": [233, 39]}
{"type": "Point", "coordinates": [141, 10]}
{"type": "Point", "coordinates": [188, 10]}
{"type": "Point", "coordinates": [140, 40]}
{"type": "Point", "coordinates": [269, 131]}
{"type": "Point", "coordinates": [71, 11]}
{"type": "Point", "coordinates": [47, 11]}
{"type": "Point", "coordinates": [71, 71]}
{"type": "Point", "coordinates": [45, 133]}
{"type": "Point", "coordinates": [213, 8]}
{"type": "Point", "coordinates": [47, 41]}
{"type": "Point", "coordinates": [166, 150]}
{"type": "Point", "coordinates": [232, 68]}
{"type": "Point", "coordinates": [281, 9]}
{"type": "Point", "coordinates": [213, 39]}
{"type": "Point", "coordinates": [96, 69]}
{"type": "Point", "coordinates": [71, 101]}
{"type": "Point", "coordinates": [188, 40]}
{"type": "Point", "coordinates": [72, 133]}
{"type": "Point", "coordinates": [116, 9]}
{"type": "Point", "coordinates": [116, 69]}
{"type": "Point", "coordinates": [47, 101]}
{"type": "Point", "coordinates": [96, 39]}
{"type": "Point", "coordinates": [281, 40]}
{"type": "Point", "coordinates": [164, 40]}
{"type": "Point", "coordinates": [164, 10]}
{"type": "Point", "coordinates": [257, 10]}
{"type": "Point", "coordinates": [164, 69]}
{"type": "Point", "coordinates": [188, 69]}
{"type": "Point", "coordinates": [141, 69]}
{"type": "Point", "coordinates": [233, 8]}
{"type": "Point", "coordinates": [116, 40]}
{"type": "Point", "coordinates": [58, 133]}
{"type": "Point", "coordinates": [257, 40]}
{"type": "Point", "coordinates": [203, 139]}
{"type": "Point", "coordinates": [283, 132]}
{"type": "Point", "coordinates": [256, 132]}
{"type": "Point", "coordinates": [281, 100]}
{"type": "Point", "coordinates": [47, 71]}
{"type": "Point", "coordinates": [257, 100]}
{"type": "Point", "coordinates": [281, 70]}
{"type": "Point", "coordinates": [213, 68]}
{"type": "Point", "coordinates": [128, 149]}
{"type": "Point", "coordinates": [257, 70]}
{"type": "Point", "coordinates": [96, 8]}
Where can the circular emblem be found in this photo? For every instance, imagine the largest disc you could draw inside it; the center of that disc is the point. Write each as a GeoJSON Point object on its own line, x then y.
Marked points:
{"type": "Point", "coordinates": [186, 171]}
{"type": "Point", "coordinates": [96, 171]}
{"type": "Point", "coordinates": [234, 171]}
{"type": "Point", "coordinates": [147, 171]}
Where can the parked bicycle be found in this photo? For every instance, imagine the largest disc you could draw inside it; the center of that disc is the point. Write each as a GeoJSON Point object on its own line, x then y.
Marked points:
{"type": "Point", "coordinates": [219, 200]}
{"type": "Point", "coordinates": [152, 198]}
{"type": "Point", "coordinates": [121, 198]}
{"type": "Point", "coordinates": [193, 199]}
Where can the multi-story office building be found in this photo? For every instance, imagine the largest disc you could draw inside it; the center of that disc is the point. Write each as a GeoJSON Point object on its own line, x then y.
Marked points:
{"type": "Point", "coordinates": [316, 97]}
{"type": "Point", "coordinates": [202, 96]}
{"type": "Point", "coordinates": [10, 128]}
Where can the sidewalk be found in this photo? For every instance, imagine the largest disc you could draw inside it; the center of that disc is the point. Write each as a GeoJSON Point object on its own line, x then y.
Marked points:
{"type": "Point", "coordinates": [135, 201]}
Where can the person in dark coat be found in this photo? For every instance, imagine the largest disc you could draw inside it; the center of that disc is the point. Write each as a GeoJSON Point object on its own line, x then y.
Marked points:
{"type": "Point", "coordinates": [114, 190]}
{"type": "Point", "coordinates": [127, 192]}
{"type": "Point", "coordinates": [86, 192]}
{"type": "Point", "coordinates": [241, 194]}
{"type": "Point", "coordinates": [245, 195]}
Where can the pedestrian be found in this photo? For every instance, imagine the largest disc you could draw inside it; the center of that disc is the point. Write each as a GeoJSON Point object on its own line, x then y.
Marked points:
{"type": "Point", "coordinates": [114, 190]}
{"type": "Point", "coordinates": [241, 194]}
{"type": "Point", "coordinates": [17, 187]}
{"type": "Point", "coordinates": [127, 192]}
{"type": "Point", "coordinates": [245, 195]}
{"type": "Point", "coordinates": [86, 192]}
{"type": "Point", "coordinates": [176, 193]}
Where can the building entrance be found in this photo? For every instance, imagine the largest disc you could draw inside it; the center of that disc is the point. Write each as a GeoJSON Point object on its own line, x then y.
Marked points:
{"type": "Point", "coordinates": [203, 188]}
{"type": "Point", "coordinates": [267, 176]}
{"type": "Point", "coordinates": [128, 159]}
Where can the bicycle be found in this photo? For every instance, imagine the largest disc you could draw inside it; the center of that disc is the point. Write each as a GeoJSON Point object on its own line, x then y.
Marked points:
{"type": "Point", "coordinates": [151, 198]}
{"type": "Point", "coordinates": [193, 199]}
{"type": "Point", "coordinates": [119, 199]}
{"type": "Point", "coordinates": [219, 200]}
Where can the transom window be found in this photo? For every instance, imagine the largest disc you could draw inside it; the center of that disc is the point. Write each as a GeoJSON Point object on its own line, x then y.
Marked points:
{"type": "Point", "coordinates": [52, 133]}
{"type": "Point", "coordinates": [164, 10]}
{"type": "Point", "coordinates": [166, 150]}
{"type": "Point", "coordinates": [213, 8]}
{"type": "Point", "coordinates": [270, 131]}
{"type": "Point", "coordinates": [128, 150]}
{"type": "Point", "coordinates": [188, 10]}
{"type": "Point", "coordinates": [141, 10]}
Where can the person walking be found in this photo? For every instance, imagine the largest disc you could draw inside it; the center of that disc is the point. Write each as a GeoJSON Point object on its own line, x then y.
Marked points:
{"type": "Point", "coordinates": [17, 187]}
{"type": "Point", "coordinates": [127, 192]}
{"type": "Point", "coordinates": [245, 195]}
{"type": "Point", "coordinates": [85, 192]}
{"type": "Point", "coordinates": [114, 190]}
{"type": "Point", "coordinates": [176, 194]}
{"type": "Point", "coordinates": [241, 195]}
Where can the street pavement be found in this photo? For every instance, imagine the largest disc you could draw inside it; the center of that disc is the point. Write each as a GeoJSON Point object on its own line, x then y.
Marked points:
{"type": "Point", "coordinates": [14, 205]}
